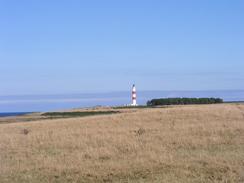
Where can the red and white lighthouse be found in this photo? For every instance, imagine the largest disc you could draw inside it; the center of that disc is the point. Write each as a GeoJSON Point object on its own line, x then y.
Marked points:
{"type": "Point", "coordinates": [134, 96]}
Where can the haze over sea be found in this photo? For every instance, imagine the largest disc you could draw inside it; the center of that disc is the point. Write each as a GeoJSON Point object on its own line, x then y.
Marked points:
{"type": "Point", "coordinates": [40, 103]}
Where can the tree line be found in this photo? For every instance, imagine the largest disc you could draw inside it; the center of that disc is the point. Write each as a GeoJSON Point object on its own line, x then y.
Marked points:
{"type": "Point", "coordinates": [183, 101]}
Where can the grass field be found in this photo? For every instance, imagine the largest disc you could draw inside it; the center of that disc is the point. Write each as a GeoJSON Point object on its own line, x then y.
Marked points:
{"type": "Point", "coordinates": [202, 143]}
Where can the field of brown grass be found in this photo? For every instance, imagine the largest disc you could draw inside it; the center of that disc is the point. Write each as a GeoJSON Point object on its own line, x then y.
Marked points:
{"type": "Point", "coordinates": [203, 143]}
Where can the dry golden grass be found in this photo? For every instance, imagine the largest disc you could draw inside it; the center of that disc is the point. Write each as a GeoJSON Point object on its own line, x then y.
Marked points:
{"type": "Point", "coordinates": [177, 144]}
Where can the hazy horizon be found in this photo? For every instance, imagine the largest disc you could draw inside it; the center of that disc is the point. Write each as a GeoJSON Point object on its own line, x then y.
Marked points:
{"type": "Point", "coordinates": [40, 103]}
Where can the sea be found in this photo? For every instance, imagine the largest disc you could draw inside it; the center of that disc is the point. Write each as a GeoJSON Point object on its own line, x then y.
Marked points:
{"type": "Point", "coordinates": [12, 105]}
{"type": "Point", "coordinates": [8, 114]}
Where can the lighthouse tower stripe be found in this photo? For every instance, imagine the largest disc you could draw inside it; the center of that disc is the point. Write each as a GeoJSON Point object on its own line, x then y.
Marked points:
{"type": "Point", "coordinates": [133, 95]}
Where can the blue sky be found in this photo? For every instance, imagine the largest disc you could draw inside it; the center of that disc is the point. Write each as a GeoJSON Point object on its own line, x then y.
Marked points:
{"type": "Point", "coordinates": [75, 46]}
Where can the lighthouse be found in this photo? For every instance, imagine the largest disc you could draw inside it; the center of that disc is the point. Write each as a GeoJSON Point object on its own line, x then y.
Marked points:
{"type": "Point", "coordinates": [134, 96]}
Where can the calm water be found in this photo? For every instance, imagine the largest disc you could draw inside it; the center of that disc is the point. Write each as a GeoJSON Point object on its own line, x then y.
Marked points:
{"type": "Point", "coordinates": [55, 102]}
{"type": "Point", "coordinates": [6, 114]}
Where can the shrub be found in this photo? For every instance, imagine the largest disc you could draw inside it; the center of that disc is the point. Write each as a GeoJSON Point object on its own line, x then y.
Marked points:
{"type": "Point", "coordinates": [183, 101]}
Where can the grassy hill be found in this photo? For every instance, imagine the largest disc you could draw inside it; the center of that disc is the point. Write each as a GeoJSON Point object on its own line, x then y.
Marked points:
{"type": "Point", "coordinates": [175, 144]}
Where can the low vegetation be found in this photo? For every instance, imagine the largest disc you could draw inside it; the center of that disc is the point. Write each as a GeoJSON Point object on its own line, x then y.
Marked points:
{"type": "Point", "coordinates": [131, 107]}
{"type": "Point", "coordinates": [183, 101]}
{"type": "Point", "coordinates": [196, 143]}
{"type": "Point", "coordinates": [76, 114]}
